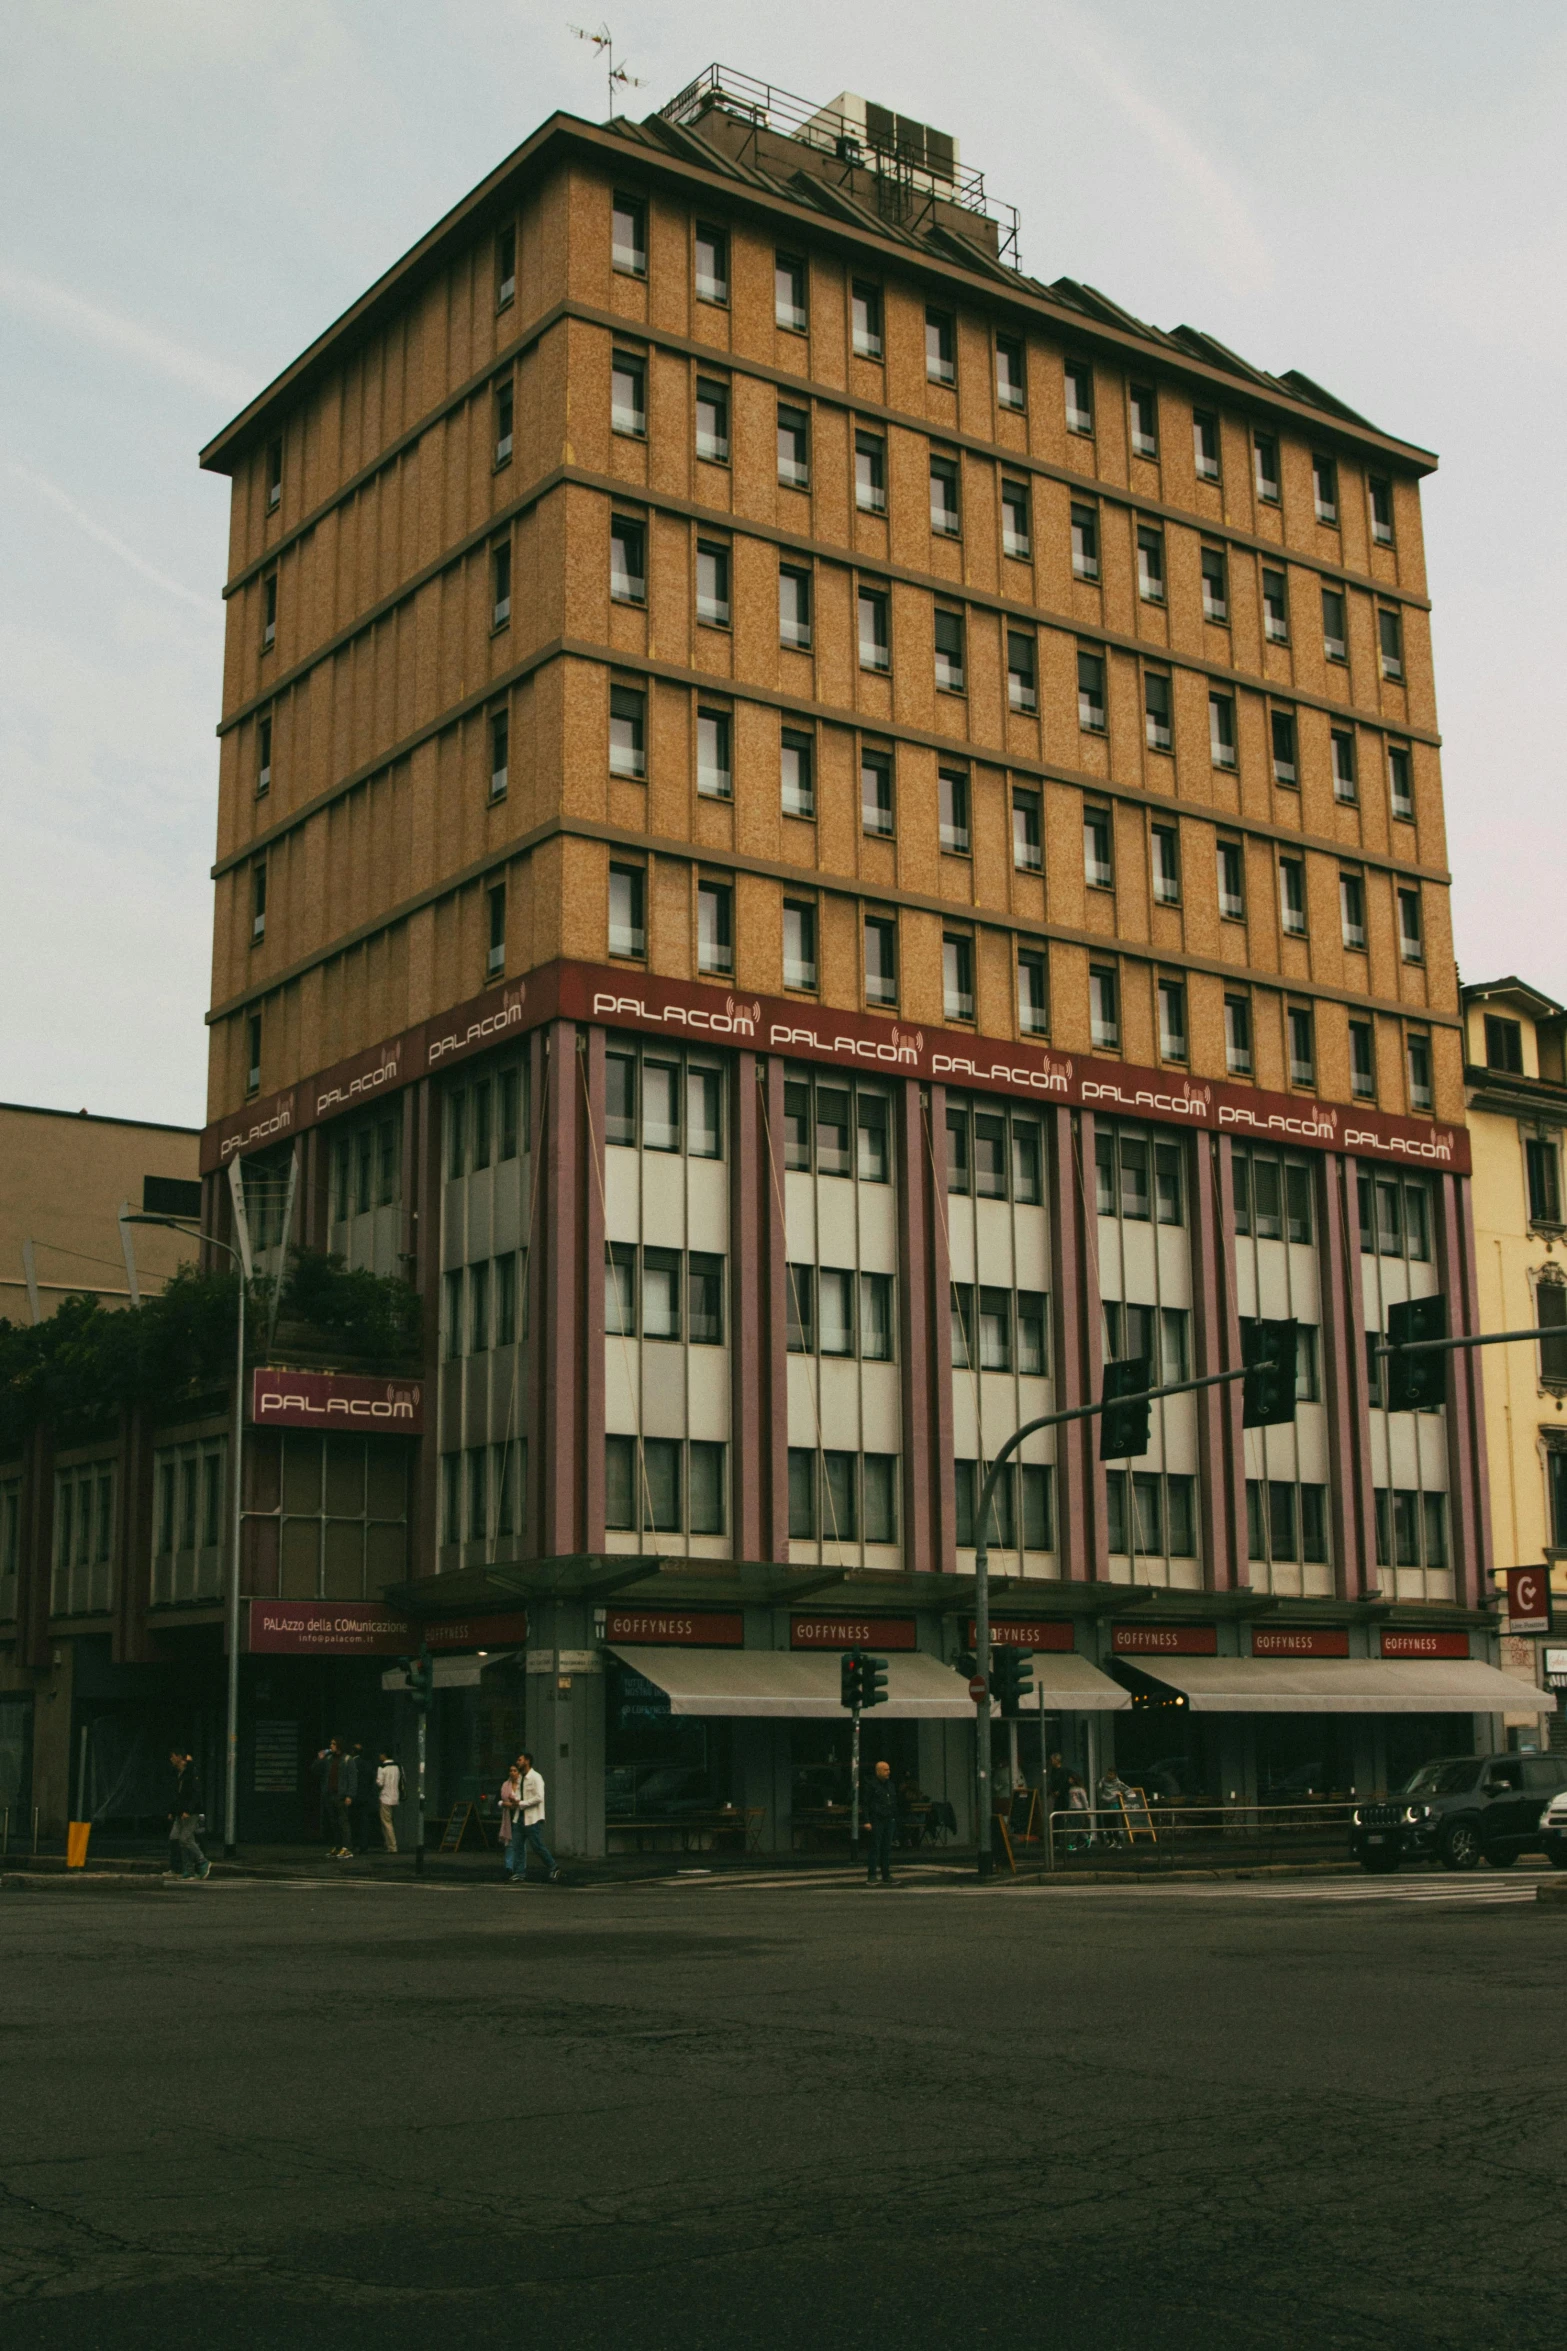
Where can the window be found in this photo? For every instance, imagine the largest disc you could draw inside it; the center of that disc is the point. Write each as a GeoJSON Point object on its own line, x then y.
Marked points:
{"type": "Point", "coordinates": [1410, 944]}
{"type": "Point", "coordinates": [1172, 1020]}
{"type": "Point", "coordinates": [1237, 1036]}
{"type": "Point", "coordinates": [274, 475]}
{"type": "Point", "coordinates": [500, 752]}
{"type": "Point", "coordinates": [1098, 871]}
{"type": "Point", "coordinates": [881, 960]}
{"type": "Point", "coordinates": [1334, 643]}
{"type": "Point", "coordinates": [505, 268]}
{"type": "Point", "coordinates": [253, 1054]}
{"type": "Point", "coordinates": [1504, 1045]}
{"type": "Point", "coordinates": [1343, 748]}
{"type": "Point", "coordinates": [1205, 446]}
{"type": "Point", "coordinates": [628, 394]}
{"type": "Point", "coordinates": [714, 755]}
{"type": "Point", "coordinates": [1272, 1196]}
{"type": "Point", "coordinates": [1232, 882]}
{"type": "Point", "coordinates": [1145, 421]}
{"type": "Point", "coordinates": [875, 640]}
{"type": "Point", "coordinates": [1166, 865]}
{"type": "Point", "coordinates": [1286, 1523]}
{"type": "Point", "coordinates": [1022, 678]}
{"type": "Point", "coordinates": [940, 347]}
{"type": "Point", "coordinates": [1362, 1065]}
{"type": "Point", "coordinates": [1550, 1310]}
{"type": "Point", "coordinates": [712, 421]}
{"type": "Point", "coordinates": [797, 773]}
{"type": "Point", "coordinates": [627, 935]}
{"type": "Point", "coordinates": [1156, 710]}
{"type": "Point", "coordinates": [789, 293]}
{"type": "Point", "coordinates": [1016, 534]}
{"type": "Point", "coordinates": [980, 1158]}
{"type": "Point", "coordinates": [952, 789]}
{"type": "Point", "coordinates": [269, 612]}
{"type": "Point", "coordinates": [1390, 639]}
{"type": "Point", "coordinates": [865, 319]}
{"type": "Point", "coordinates": [1027, 838]}
{"type": "Point", "coordinates": [712, 584]}
{"type": "Point", "coordinates": [1282, 728]}
{"type": "Point", "coordinates": [1090, 690]}
{"type": "Point", "coordinates": [500, 586]}
{"type": "Point", "coordinates": [1079, 396]}
{"type": "Point", "coordinates": [1411, 1527]}
{"type": "Point", "coordinates": [495, 957]}
{"type": "Point", "coordinates": [627, 731]}
{"type": "Point", "coordinates": [1265, 465]}
{"type": "Point", "coordinates": [715, 947]}
{"type": "Point", "coordinates": [258, 902]}
{"type": "Point", "coordinates": [1104, 1024]}
{"type": "Point", "coordinates": [1085, 543]}
{"type": "Point", "coordinates": [1324, 489]}
{"type": "Point", "coordinates": [799, 944]}
{"type": "Point", "coordinates": [1400, 781]}
{"type": "Point", "coordinates": [657, 1082]}
{"type": "Point", "coordinates": [503, 422]}
{"type": "Point", "coordinates": [1381, 512]}
{"type": "Point", "coordinates": [1395, 1215]}
{"type": "Point", "coordinates": [1292, 897]}
{"type": "Point", "coordinates": [1419, 1070]}
{"type": "Point", "coordinates": [1009, 372]}
{"type": "Point", "coordinates": [1540, 1166]}
{"type": "Point", "coordinates": [263, 756]}
{"type": "Point", "coordinates": [1150, 564]}
{"type": "Point", "coordinates": [627, 560]}
{"type": "Point", "coordinates": [1033, 993]}
{"type": "Point", "coordinates": [1221, 729]}
{"type": "Point", "coordinates": [712, 263]}
{"type": "Point", "coordinates": [628, 236]}
{"type": "Point", "coordinates": [821, 1120]}
{"type": "Point", "coordinates": [957, 971]}
{"type": "Point", "coordinates": [794, 448]}
{"type": "Point", "coordinates": [870, 473]}
{"type": "Point", "coordinates": [949, 652]}
{"type": "Point", "coordinates": [1275, 607]}
{"type": "Point", "coordinates": [1215, 588]}
{"type": "Point", "coordinates": [794, 607]}
{"type": "Point", "coordinates": [1303, 1052]}
{"type": "Point", "coordinates": [944, 519]}
{"type": "Point", "coordinates": [1352, 910]}
{"type": "Point", "coordinates": [876, 792]}
{"type": "Point", "coordinates": [82, 1578]}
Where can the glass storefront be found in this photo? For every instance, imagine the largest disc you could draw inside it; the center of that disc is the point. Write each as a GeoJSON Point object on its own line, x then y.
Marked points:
{"type": "Point", "coordinates": [658, 1766]}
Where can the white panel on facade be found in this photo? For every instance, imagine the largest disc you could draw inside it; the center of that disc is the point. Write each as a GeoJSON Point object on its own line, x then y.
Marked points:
{"type": "Point", "coordinates": [965, 1417]}
{"type": "Point", "coordinates": [620, 1389]}
{"type": "Point", "coordinates": [622, 1208]}
{"type": "Point", "coordinates": [663, 1389]}
{"type": "Point", "coordinates": [799, 1218]}
{"type": "Point", "coordinates": [1175, 1265]}
{"type": "Point", "coordinates": [1031, 1230]}
{"type": "Point", "coordinates": [1139, 1261]}
{"type": "Point", "coordinates": [961, 1252]}
{"type": "Point", "coordinates": [837, 1236]}
{"type": "Point", "coordinates": [878, 1228]}
{"type": "Point", "coordinates": [1111, 1279]}
{"type": "Point", "coordinates": [803, 1429]}
{"type": "Point", "coordinates": [663, 1199]}
{"type": "Point", "coordinates": [839, 1405]}
{"type": "Point", "coordinates": [881, 1412]}
{"type": "Point", "coordinates": [993, 1243]}
{"type": "Point", "coordinates": [1245, 1279]}
{"type": "Point", "coordinates": [707, 1373]}
{"type": "Point", "coordinates": [707, 1195]}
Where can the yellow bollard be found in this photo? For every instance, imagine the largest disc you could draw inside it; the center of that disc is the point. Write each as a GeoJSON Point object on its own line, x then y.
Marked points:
{"type": "Point", "coordinates": [77, 1833]}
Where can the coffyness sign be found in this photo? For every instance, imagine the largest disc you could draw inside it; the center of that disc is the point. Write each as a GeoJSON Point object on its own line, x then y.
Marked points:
{"type": "Point", "coordinates": [676, 1627]}
{"type": "Point", "coordinates": [1319, 1643]}
{"type": "Point", "coordinates": [508, 1631]}
{"type": "Point", "coordinates": [1425, 1644]}
{"type": "Point", "coordinates": [336, 1400]}
{"type": "Point", "coordinates": [1164, 1640]}
{"type": "Point", "coordinates": [851, 1632]}
{"type": "Point", "coordinates": [846, 1040]}
{"type": "Point", "coordinates": [1024, 1632]}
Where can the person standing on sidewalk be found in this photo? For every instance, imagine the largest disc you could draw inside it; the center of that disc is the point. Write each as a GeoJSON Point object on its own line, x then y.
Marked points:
{"type": "Point", "coordinates": [331, 1769]}
{"type": "Point", "coordinates": [880, 1818]}
{"type": "Point", "coordinates": [388, 1795]}
{"type": "Point", "coordinates": [510, 1802]}
{"type": "Point", "coordinates": [528, 1824]}
{"type": "Point", "coordinates": [185, 1818]}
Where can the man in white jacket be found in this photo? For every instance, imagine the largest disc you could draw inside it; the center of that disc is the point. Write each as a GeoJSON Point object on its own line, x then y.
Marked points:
{"type": "Point", "coordinates": [389, 1794]}
{"type": "Point", "coordinates": [527, 1833]}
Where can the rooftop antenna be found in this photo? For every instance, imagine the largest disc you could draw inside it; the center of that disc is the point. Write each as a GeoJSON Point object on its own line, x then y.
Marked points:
{"type": "Point", "coordinates": [604, 42]}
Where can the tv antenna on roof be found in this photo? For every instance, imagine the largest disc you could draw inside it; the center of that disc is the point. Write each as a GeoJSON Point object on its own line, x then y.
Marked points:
{"type": "Point", "coordinates": [604, 42]}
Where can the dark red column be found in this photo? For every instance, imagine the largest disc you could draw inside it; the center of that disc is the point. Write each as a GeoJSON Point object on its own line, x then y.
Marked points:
{"type": "Point", "coordinates": [1221, 1463]}
{"type": "Point", "coordinates": [758, 1332]}
{"type": "Point", "coordinates": [1345, 1391]}
{"type": "Point", "coordinates": [924, 1322]}
{"type": "Point", "coordinates": [566, 1467]}
{"type": "Point", "coordinates": [1468, 1500]}
{"type": "Point", "coordinates": [1077, 1348]}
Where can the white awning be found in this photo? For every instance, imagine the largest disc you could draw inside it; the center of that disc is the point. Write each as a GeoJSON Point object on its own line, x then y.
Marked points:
{"type": "Point", "coordinates": [1345, 1685]}
{"type": "Point", "coordinates": [1071, 1685]}
{"type": "Point", "coordinates": [786, 1682]}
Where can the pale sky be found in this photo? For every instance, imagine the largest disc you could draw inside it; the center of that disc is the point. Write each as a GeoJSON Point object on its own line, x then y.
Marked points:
{"type": "Point", "coordinates": [191, 189]}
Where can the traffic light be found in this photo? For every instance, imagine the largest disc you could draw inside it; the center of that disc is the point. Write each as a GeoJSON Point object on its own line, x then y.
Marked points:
{"type": "Point", "coordinates": [873, 1681]}
{"type": "Point", "coordinates": [1123, 1428]}
{"type": "Point", "coordinates": [419, 1675]}
{"type": "Point", "coordinates": [1416, 1382]}
{"type": "Point", "coordinates": [1268, 1391]}
{"type": "Point", "coordinates": [849, 1679]}
{"type": "Point", "coordinates": [1014, 1680]}
{"type": "Point", "coordinates": [966, 1663]}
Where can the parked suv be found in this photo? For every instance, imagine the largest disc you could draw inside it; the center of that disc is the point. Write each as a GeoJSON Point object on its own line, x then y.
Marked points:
{"type": "Point", "coordinates": [1553, 1831]}
{"type": "Point", "coordinates": [1461, 1812]}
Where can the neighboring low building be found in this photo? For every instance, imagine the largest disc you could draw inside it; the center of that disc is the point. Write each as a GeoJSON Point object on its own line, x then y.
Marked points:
{"type": "Point", "coordinates": [63, 1177]}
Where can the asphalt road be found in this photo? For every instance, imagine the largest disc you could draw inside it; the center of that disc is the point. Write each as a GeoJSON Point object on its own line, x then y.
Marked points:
{"type": "Point", "coordinates": [693, 2116]}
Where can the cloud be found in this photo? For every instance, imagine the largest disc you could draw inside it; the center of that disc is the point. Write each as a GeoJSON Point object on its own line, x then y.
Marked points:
{"type": "Point", "coordinates": [57, 306]}
{"type": "Point", "coordinates": [95, 530]}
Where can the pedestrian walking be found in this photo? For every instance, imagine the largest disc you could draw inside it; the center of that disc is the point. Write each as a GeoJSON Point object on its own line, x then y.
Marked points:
{"type": "Point", "coordinates": [527, 1819]}
{"type": "Point", "coordinates": [510, 1802]}
{"type": "Point", "coordinates": [337, 1777]}
{"type": "Point", "coordinates": [388, 1795]}
{"type": "Point", "coordinates": [185, 1819]}
{"type": "Point", "coordinates": [880, 1817]}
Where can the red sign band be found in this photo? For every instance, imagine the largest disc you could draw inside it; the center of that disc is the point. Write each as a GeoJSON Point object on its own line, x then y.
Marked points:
{"type": "Point", "coordinates": [675, 1627]}
{"type": "Point", "coordinates": [1024, 1632]}
{"type": "Point", "coordinates": [336, 1400]}
{"type": "Point", "coordinates": [1425, 1644]}
{"type": "Point", "coordinates": [1296, 1643]}
{"type": "Point", "coordinates": [1164, 1640]}
{"type": "Point", "coordinates": [329, 1628]}
{"type": "Point", "coordinates": [852, 1632]}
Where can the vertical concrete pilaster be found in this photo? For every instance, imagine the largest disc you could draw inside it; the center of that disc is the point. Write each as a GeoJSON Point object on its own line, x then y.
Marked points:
{"type": "Point", "coordinates": [924, 1309]}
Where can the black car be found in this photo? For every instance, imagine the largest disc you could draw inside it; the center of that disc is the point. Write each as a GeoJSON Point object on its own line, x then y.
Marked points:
{"type": "Point", "coordinates": [1461, 1811]}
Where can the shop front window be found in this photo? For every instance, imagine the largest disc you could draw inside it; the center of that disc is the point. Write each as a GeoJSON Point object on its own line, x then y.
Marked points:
{"type": "Point", "coordinates": [659, 1767]}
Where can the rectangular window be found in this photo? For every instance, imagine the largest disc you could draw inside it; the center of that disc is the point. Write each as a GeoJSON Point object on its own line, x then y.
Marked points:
{"type": "Point", "coordinates": [1343, 749]}
{"type": "Point", "coordinates": [794, 607]}
{"type": "Point", "coordinates": [274, 475]}
{"type": "Point", "coordinates": [1504, 1045]}
{"type": "Point", "coordinates": [1390, 639]}
{"type": "Point", "coordinates": [870, 473]}
{"type": "Point", "coordinates": [789, 293]}
{"type": "Point", "coordinates": [627, 560]}
{"type": "Point", "coordinates": [879, 1480]}
{"type": "Point", "coordinates": [1010, 380]}
{"type": "Point", "coordinates": [1027, 836]}
{"type": "Point", "coordinates": [1205, 446]}
{"type": "Point", "coordinates": [794, 448]}
{"type": "Point", "coordinates": [1292, 897]}
{"type": "Point", "coordinates": [712, 263]}
{"type": "Point", "coordinates": [1016, 533]}
{"type": "Point", "coordinates": [875, 634]}
{"type": "Point", "coordinates": [1098, 870]}
{"type": "Point", "coordinates": [800, 1291]}
{"type": "Point", "coordinates": [1085, 543]}
{"type": "Point", "coordinates": [950, 674]}
{"type": "Point", "coordinates": [1411, 946]}
{"type": "Point", "coordinates": [628, 236]}
{"type": "Point", "coordinates": [1221, 729]}
{"type": "Point", "coordinates": [1079, 396]}
{"type": "Point", "coordinates": [1540, 1163]}
{"type": "Point", "coordinates": [269, 612]}
{"type": "Point", "coordinates": [1419, 1073]}
{"type": "Point", "coordinates": [258, 902]}
{"type": "Point", "coordinates": [1381, 512]}
{"type": "Point", "coordinates": [253, 1054]}
{"type": "Point", "coordinates": [834, 1312]}
{"type": "Point", "coordinates": [1166, 865]}
{"type": "Point", "coordinates": [1090, 691]}
{"type": "Point", "coordinates": [661, 1317]}
{"type": "Point", "coordinates": [1303, 1052]}
{"type": "Point", "coordinates": [1033, 996]}
{"type": "Point", "coordinates": [1150, 564]}
{"type": "Point", "coordinates": [802, 1495]}
{"type": "Point", "coordinates": [661, 1485]}
{"type": "Point", "coordinates": [799, 944]}
{"type": "Point", "coordinates": [944, 515]}
{"type": "Point", "coordinates": [1157, 726]}
{"type": "Point", "coordinates": [1104, 1026]}
{"type": "Point", "coordinates": [627, 935]}
{"type": "Point", "coordinates": [1275, 607]}
{"type": "Point", "coordinates": [1282, 727]}
{"type": "Point", "coordinates": [704, 1299]}
{"type": "Point", "coordinates": [1265, 463]}
{"type": "Point", "coordinates": [1033, 1359]}
{"type": "Point", "coordinates": [1324, 489]}
{"type": "Point", "coordinates": [495, 959]}
{"type": "Point", "coordinates": [964, 1345]}
{"type": "Point", "coordinates": [1145, 421]}
{"type": "Point", "coordinates": [940, 347]}
{"type": "Point", "coordinates": [627, 731]}
{"type": "Point", "coordinates": [865, 319]}
{"type": "Point", "coordinates": [1172, 1020]}
{"type": "Point", "coordinates": [503, 422]}
{"type": "Point", "coordinates": [957, 968]}
{"type": "Point", "coordinates": [506, 1300]}
{"type": "Point", "coordinates": [715, 946]}
{"type": "Point", "coordinates": [1237, 1036]}
{"type": "Point", "coordinates": [1022, 675]}
{"type": "Point", "coordinates": [712, 584]}
{"type": "Point", "coordinates": [704, 1113]}
{"type": "Point", "coordinates": [1334, 642]}
{"type": "Point", "coordinates": [479, 1309]}
{"type": "Point", "coordinates": [1362, 1066]}
{"type": "Point", "coordinates": [263, 756]}
{"type": "Point", "coordinates": [1215, 585]}
{"type": "Point", "coordinates": [952, 791]}
{"type": "Point", "coordinates": [712, 421]}
{"type": "Point", "coordinates": [714, 756]}
{"type": "Point", "coordinates": [1232, 881]}
{"type": "Point", "coordinates": [500, 586]}
{"type": "Point", "coordinates": [876, 792]}
{"type": "Point", "coordinates": [500, 753]}
{"type": "Point", "coordinates": [628, 394]}
{"type": "Point", "coordinates": [881, 960]}
{"type": "Point", "coordinates": [1550, 1305]}
{"type": "Point", "coordinates": [706, 1489]}
{"type": "Point", "coordinates": [840, 1520]}
{"type": "Point", "coordinates": [1400, 781]}
{"type": "Point", "coordinates": [797, 773]}
{"type": "Point", "coordinates": [505, 268]}
{"type": "Point", "coordinates": [1352, 910]}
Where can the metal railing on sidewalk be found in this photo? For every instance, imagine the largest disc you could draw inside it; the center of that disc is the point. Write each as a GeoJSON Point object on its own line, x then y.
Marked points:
{"type": "Point", "coordinates": [1152, 1836]}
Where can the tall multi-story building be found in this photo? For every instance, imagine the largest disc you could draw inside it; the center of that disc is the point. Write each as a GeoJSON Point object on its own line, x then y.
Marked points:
{"type": "Point", "coordinates": [816, 836]}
